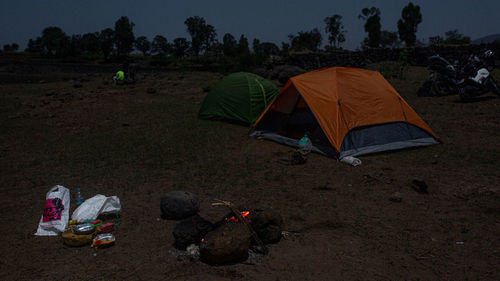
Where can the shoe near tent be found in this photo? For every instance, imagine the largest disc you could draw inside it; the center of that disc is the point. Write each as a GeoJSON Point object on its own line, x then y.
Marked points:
{"type": "Point", "coordinates": [347, 112]}
{"type": "Point", "coordinates": [240, 97]}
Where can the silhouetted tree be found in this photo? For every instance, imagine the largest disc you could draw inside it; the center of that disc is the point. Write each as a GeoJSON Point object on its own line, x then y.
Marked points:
{"type": "Point", "coordinates": [229, 45]}
{"type": "Point", "coordinates": [180, 47]}
{"type": "Point", "coordinates": [142, 44]}
{"type": "Point", "coordinates": [11, 47]}
{"type": "Point", "coordinates": [265, 49]}
{"type": "Point", "coordinates": [160, 45]}
{"type": "Point", "coordinates": [389, 39]}
{"type": "Point", "coordinates": [309, 40]}
{"type": "Point", "coordinates": [285, 49]}
{"type": "Point", "coordinates": [243, 48]}
{"type": "Point", "coordinates": [90, 43]}
{"type": "Point", "coordinates": [435, 40]}
{"type": "Point", "coordinates": [453, 37]}
{"type": "Point", "coordinates": [75, 46]}
{"type": "Point", "coordinates": [202, 34]}
{"type": "Point", "coordinates": [54, 41]}
{"type": "Point", "coordinates": [407, 25]}
{"type": "Point", "coordinates": [106, 41]}
{"type": "Point", "coordinates": [209, 38]}
{"type": "Point", "coordinates": [372, 25]}
{"type": "Point", "coordinates": [34, 46]}
{"type": "Point", "coordinates": [256, 46]}
{"type": "Point", "coordinates": [124, 36]}
{"type": "Point", "coordinates": [335, 30]}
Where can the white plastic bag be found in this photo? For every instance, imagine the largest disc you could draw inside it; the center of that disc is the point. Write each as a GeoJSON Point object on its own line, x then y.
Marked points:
{"type": "Point", "coordinates": [351, 161]}
{"type": "Point", "coordinates": [91, 208]}
{"type": "Point", "coordinates": [56, 212]}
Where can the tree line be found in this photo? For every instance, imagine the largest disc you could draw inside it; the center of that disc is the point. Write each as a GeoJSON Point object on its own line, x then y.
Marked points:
{"type": "Point", "coordinates": [121, 40]}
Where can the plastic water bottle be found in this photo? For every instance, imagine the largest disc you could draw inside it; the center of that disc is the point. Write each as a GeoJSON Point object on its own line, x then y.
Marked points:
{"type": "Point", "coordinates": [78, 197]}
{"type": "Point", "coordinates": [305, 143]}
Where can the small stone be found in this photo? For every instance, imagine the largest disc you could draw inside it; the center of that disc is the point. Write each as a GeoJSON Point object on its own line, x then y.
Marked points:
{"type": "Point", "coordinates": [396, 197]}
{"type": "Point", "coordinates": [419, 186]}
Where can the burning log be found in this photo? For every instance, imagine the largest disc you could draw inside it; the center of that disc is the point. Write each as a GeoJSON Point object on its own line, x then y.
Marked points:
{"type": "Point", "coordinates": [229, 243]}
{"type": "Point", "coordinates": [237, 213]}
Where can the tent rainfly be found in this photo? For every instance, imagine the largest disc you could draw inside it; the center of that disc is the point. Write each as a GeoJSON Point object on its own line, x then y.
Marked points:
{"type": "Point", "coordinates": [348, 112]}
{"type": "Point", "coordinates": [240, 97]}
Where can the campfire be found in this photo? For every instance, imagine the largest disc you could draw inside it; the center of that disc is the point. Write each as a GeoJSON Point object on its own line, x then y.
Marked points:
{"type": "Point", "coordinates": [231, 239]}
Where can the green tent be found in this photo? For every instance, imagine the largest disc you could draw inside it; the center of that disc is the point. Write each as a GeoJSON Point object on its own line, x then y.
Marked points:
{"type": "Point", "coordinates": [241, 97]}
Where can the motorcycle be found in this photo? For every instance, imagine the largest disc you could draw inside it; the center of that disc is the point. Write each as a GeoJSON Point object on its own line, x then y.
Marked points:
{"type": "Point", "coordinates": [467, 80]}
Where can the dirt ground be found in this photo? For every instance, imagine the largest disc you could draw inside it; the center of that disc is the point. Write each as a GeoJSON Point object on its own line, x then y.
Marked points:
{"type": "Point", "coordinates": [140, 141]}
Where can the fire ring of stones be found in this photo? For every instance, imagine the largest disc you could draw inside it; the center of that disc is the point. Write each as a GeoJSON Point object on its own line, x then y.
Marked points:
{"type": "Point", "coordinates": [178, 205]}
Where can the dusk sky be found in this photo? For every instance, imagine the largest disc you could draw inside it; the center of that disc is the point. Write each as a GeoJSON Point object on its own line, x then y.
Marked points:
{"type": "Point", "coordinates": [268, 21]}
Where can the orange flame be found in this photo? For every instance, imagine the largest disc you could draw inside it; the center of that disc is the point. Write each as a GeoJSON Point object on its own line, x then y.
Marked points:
{"type": "Point", "coordinates": [233, 219]}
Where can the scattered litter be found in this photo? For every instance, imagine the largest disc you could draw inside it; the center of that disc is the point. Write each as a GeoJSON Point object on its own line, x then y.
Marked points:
{"type": "Point", "coordinates": [103, 240]}
{"type": "Point", "coordinates": [353, 161]}
{"type": "Point", "coordinates": [56, 212]}
{"type": "Point", "coordinates": [78, 197]}
{"type": "Point", "coordinates": [70, 238]}
{"type": "Point", "coordinates": [86, 228]}
{"type": "Point", "coordinates": [459, 243]}
{"type": "Point", "coordinates": [95, 206]}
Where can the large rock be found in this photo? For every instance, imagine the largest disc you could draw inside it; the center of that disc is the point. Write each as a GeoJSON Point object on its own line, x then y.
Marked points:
{"type": "Point", "coordinates": [190, 231]}
{"type": "Point", "coordinates": [178, 205]}
{"type": "Point", "coordinates": [268, 225]}
{"type": "Point", "coordinates": [227, 244]}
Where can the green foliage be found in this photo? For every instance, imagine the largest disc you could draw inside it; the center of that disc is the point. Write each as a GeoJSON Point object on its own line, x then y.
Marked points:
{"type": "Point", "coordinates": [54, 41]}
{"type": "Point", "coordinates": [76, 46]}
{"type": "Point", "coordinates": [124, 36]}
{"type": "Point", "coordinates": [265, 49]}
{"type": "Point", "coordinates": [453, 37]}
{"type": "Point", "coordinates": [389, 39]}
{"type": "Point", "coordinates": [285, 49]}
{"type": "Point", "coordinates": [372, 25]}
{"type": "Point", "coordinates": [160, 45]}
{"type": "Point", "coordinates": [202, 34]}
{"type": "Point", "coordinates": [106, 41]}
{"type": "Point", "coordinates": [34, 46]}
{"type": "Point", "coordinates": [243, 48]}
{"type": "Point", "coordinates": [90, 43]}
{"type": "Point", "coordinates": [11, 47]}
{"type": "Point", "coordinates": [395, 69]}
{"type": "Point", "coordinates": [142, 44]}
{"type": "Point", "coordinates": [435, 40]}
{"type": "Point", "coordinates": [309, 40]}
{"type": "Point", "coordinates": [180, 47]}
{"type": "Point", "coordinates": [335, 30]}
{"type": "Point", "coordinates": [229, 45]}
{"type": "Point", "coordinates": [407, 25]}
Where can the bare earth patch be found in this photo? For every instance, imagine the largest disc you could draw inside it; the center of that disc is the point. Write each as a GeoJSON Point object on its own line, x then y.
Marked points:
{"type": "Point", "coordinates": [341, 222]}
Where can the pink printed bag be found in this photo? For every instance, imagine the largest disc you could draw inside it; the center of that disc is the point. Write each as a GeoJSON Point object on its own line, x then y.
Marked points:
{"type": "Point", "coordinates": [56, 212]}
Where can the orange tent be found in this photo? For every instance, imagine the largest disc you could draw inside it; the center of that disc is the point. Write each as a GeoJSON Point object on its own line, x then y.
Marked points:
{"type": "Point", "coordinates": [348, 112]}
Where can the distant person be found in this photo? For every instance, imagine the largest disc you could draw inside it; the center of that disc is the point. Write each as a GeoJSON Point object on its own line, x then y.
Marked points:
{"type": "Point", "coordinates": [119, 77]}
{"type": "Point", "coordinates": [131, 72]}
